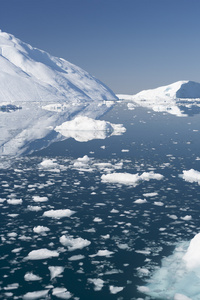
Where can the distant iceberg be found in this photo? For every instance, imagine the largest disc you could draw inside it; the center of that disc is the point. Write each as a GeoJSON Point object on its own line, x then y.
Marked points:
{"type": "Point", "coordinates": [176, 98]}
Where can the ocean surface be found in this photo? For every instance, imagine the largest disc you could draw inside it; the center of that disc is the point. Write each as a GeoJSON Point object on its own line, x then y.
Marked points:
{"type": "Point", "coordinates": [122, 241]}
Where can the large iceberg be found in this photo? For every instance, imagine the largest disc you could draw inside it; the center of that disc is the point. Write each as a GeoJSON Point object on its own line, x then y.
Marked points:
{"type": "Point", "coordinates": [178, 278]}
{"type": "Point", "coordinates": [177, 98]}
{"type": "Point", "coordinates": [39, 92]}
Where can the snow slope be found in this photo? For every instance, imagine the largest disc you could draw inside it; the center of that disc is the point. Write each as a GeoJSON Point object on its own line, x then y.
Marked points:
{"type": "Point", "coordinates": [39, 92]}
{"type": "Point", "coordinates": [30, 74]}
{"type": "Point", "coordinates": [171, 98]}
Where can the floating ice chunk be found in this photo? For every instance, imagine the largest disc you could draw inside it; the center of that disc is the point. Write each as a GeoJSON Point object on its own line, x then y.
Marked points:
{"type": "Point", "coordinates": [181, 297]}
{"type": "Point", "coordinates": [173, 217]}
{"type": "Point", "coordinates": [98, 283]}
{"type": "Point", "coordinates": [115, 289]}
{"type": "Point", "coordinates": [106, 253]}
{"type": "Point", "coordinates": [55, 271]}
{"type": "Point", "coordinates": [114, 211]}
{"type": "Point", "coordinates": [74, 243]}
{"type": "Point", "coordinates": [150, 194]}
{"type": "Point", "coordinates": [58, 213]}
{"type": "Point", "coordinates": [61, 293]}
{"type": "Point", "coordinates": [49, 164]}
{"type": "Point", "coordinates": [76, 257]}
{"type": "Point", "coordinates": [29, 276]}
{"type": "Point", "coordinates": [42, 254]}
{"type": "Point", "coordinates": [12, 286]}
{"type": "Point", "coordinates": [40, 229]}
{"type": "Point", "coordinates": [14, 201]}
{"type": "Point", "coordinates": [186, 218]}
{"type": "Point", "coordinates": [40, 199]}
{"type": "Point", "coordinates": [84, 129]}
{"type": "Point", "coordinates": [130, 179]}
{"type": "Point", "coordinates": [192, 256]}
{"type": "Point", "coordinates": [158, 203]}
{"type": "Point", "coordinates": [178, 275]}
{"type": "Point", "coordinates": [191, 176]}
{"type": "Point", "coordinates": [34, 208]}
{"type": "Point", "coordinates": [84, 159]}
{"type": "Point", "coordinates": [35, 295]}
{"type": "Point", "coordinates": [140, 201]}
{"type": "Point", "coordinates": [97, 220]}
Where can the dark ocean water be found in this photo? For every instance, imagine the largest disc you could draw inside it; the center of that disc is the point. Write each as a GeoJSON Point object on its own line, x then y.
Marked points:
{"type": "Point", "coordinates": [137, 235]}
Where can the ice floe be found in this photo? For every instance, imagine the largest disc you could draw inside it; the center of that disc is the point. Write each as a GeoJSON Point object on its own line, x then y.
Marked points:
{"type": "Point", "coordinates": [130, 179]}
{"type": "Point", "coordinates": [191, 176]}
{"type": "Point", "coordinates": [43, 253]}
{"type": "Point", "coordinates": [58, 213]}
{"type": "Point", "coordinates": [74, 243]}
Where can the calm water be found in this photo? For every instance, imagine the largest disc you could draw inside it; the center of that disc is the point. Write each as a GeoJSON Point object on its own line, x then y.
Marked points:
{"type": "Point", "coordinates": [138, 235]}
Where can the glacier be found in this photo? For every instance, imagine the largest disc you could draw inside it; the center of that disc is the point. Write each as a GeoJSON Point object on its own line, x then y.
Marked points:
{"type": "Point", "coordinates": [39, 92]}
{"type": "Point", "coordinates": [180, 98]}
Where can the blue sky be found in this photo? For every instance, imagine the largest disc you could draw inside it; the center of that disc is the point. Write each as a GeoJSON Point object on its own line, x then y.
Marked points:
{"type": "Point", "coordinates": [130, 45]}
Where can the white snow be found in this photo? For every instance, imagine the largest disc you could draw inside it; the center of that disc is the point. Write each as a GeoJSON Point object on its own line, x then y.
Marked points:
{"type": "Point", "coordinates": [191, 176]}
{"type": "Point", "coordinates": [85, 129]}
{"type": "Point", "coordinates": [167, 98]}
{"type": "Point", "coordinates": [41, 254]}
{"type": "Point", "coordinates": [130, 179]}
{"type": "Point", "coordinates": [58, 213]}
{"type": "Point", "coordinates": [74, 243]}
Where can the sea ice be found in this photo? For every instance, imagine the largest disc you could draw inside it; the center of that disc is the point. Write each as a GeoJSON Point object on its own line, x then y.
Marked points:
{"type": "Point", "coordinates": [115, 289]}
{"type": "Point", "coordinates": [40, 229]}
{"type": "Point", "coordinates": [39, 199]}
{"type": "Point", "coordinates": [36, 295]}
{"type": "Point", "coordinates": [58, 213]}
{"type": "Point", "coordinates": [98, 283]}
{"type": "Point", "coordinates": [29, 276]}
{"type": "Point", "coordinates": [178, 276]}
{"type": "Point", "coordinates": [14, 201]}
{"type": "Point", "coordinates": [130, 179]}
{"type": "Point", "coordinates": [191, 176]}
{"type": "Point", "coordinates": [41, 254]}
{"type": "Point", "coordinates": [61, 293]}
{"type": "Point", "coordinates": [74, 243]}
{"type": "Point", "coordinates": [55, 271]}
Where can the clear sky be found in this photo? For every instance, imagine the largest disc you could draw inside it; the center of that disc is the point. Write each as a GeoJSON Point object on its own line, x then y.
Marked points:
{"type": "Point", "coordinates": [130, 45]}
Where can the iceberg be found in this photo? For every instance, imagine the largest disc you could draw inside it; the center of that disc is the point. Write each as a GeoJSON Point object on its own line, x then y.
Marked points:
{"type": "Point", "coordinates": [179, 98]}
{"type": "Point", "coordinates": [178, 278]}
{"type": "Point", "coordinates": [39, 92]}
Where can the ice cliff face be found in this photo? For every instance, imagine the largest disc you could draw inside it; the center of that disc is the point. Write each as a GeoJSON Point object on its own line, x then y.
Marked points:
{"type": "Point", "coordinates": [172, 98]}
{"type": "Point", "coordinates": [30, 74]}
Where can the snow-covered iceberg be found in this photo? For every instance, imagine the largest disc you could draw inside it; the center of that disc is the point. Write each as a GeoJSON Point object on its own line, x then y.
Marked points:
{"type": "Point", "coordinates": [39, 92]}
{"type": "Point", "coordinates": [178, 278]}
{"type": "Point", "coordinates": [84, 129]}
{"type": "Point", "coordinates": [178, 98]}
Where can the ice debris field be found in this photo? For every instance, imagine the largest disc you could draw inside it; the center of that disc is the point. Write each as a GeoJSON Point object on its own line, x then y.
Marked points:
{"type": "Point", "coordinates": [98, 199]}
